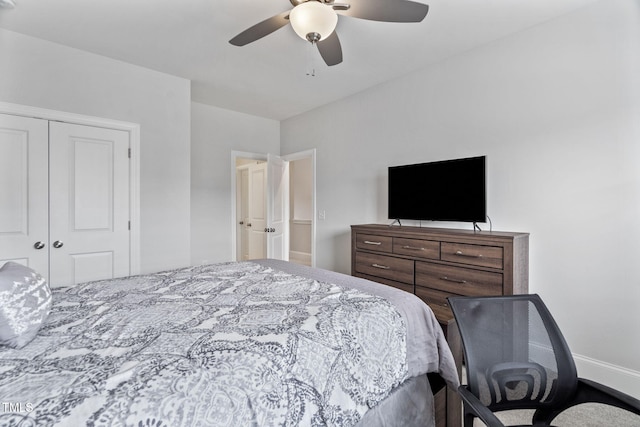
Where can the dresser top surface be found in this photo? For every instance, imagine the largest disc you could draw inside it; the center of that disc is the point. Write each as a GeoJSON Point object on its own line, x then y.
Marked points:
{"type": "Point", "coordinates": [435, 231]}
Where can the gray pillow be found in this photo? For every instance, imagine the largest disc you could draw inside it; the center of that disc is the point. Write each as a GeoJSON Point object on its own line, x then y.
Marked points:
{"type": "Point", "coordinates": [25, 302]}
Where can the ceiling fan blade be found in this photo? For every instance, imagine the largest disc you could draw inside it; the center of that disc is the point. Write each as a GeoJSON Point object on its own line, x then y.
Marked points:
{"type": "Point", "coordinates": [330, 49]}
{"type": "Point", "coordinates": [386, 10]}
{"type": "Point", "coordinates": [261, 29]}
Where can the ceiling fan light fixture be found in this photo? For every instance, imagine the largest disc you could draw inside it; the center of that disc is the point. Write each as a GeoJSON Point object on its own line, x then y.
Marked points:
{"type": "Point", "coordinates": [313, 20]}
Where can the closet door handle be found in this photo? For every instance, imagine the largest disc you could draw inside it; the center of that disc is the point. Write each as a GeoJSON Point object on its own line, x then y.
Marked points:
{"type": "Point", "coordinates": [38, 245]}
{"type": "Point", "coordinates": [57, 244]}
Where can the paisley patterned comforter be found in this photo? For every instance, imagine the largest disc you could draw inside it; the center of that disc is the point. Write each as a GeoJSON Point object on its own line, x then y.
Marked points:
{"type": "Point", "coordinates": [235, 344]}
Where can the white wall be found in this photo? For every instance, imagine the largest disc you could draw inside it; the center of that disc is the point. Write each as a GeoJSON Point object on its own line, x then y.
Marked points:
{"type": "Point", "coordinates": [215, 132]}
{"type": "Point", "coordinates": [41, 74]}
{"type": "Point", "coordinates": [556, 109]}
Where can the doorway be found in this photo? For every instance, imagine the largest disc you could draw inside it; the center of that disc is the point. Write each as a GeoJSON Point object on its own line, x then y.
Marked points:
{"type": "Point", "coordinates": [251, 209]}
{"type": "Point", "coordinates": [259, 229]}
{"type": "Point", "coordinates": [301, 210]}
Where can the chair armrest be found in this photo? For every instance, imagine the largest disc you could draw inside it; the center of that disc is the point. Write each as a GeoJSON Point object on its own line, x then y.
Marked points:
{"type": "Point", "coordinates": [591, 391]}
{"type": "Point", "coordinates": [474, 406]}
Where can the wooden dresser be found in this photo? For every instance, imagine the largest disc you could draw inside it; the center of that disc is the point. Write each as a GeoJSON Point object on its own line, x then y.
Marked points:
{"type": "Point", "coordinates": [435, 263]}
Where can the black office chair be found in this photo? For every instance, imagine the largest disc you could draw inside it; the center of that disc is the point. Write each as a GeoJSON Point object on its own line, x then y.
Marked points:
{"type": "Point", "coordinates": [517, 358]}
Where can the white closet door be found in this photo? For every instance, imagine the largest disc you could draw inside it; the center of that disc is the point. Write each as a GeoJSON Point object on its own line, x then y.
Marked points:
{"type": "Point", "coordinates": [89, 203]}
{"type": "Point", "coordinates": [24, 210]}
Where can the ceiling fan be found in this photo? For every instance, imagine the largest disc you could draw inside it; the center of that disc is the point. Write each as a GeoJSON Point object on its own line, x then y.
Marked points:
{"type": "Point", "coordinates": [316, 20]}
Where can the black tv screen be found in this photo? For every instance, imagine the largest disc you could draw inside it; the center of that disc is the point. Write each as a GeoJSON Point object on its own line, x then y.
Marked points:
{"type": "Point", "coordinates": [449, 190]}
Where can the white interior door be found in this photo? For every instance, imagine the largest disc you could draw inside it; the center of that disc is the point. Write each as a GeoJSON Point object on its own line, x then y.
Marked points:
{"type": "Point", "coordinates": [257, 221]}
{"type": "Point", "coordinates": [242, 213]}
{"type": "Point", "coordinates": [89, 203]}
{"type": "Point", "coordinates": [277, 226]}
{"type": "Point", "coordinates": [24, 189]}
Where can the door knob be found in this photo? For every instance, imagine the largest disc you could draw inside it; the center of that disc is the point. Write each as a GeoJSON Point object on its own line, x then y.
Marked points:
{"type": "Point", "coordinates": [249, 225]}
{"type": "Point", "coordinates": [241, 222]}
{"type": "Point", "coordinates": [57, 244]}
{"type": "Point", "coordinates": [38, 245]}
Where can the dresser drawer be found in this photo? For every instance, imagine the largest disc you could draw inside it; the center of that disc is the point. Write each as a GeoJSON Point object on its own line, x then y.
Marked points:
{"type": "Point", "coordinates": [398, 269]}
{"type": "Point", "coordinates": [416, 248]}
{"type": "Point", "coordinates": [437, 300]}
{"type": "Point", "coordinates": [480, 255]}
{"type": "Point", "coordinates": [458, 280]}
{"type": "Point", "coordinates": [372, 242]}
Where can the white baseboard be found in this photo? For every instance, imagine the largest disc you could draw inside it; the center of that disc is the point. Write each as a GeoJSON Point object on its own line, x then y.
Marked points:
{"type": "Point", "coordinates": [300, 257]}
{"type": "Point", "coordinates": [623, 379]}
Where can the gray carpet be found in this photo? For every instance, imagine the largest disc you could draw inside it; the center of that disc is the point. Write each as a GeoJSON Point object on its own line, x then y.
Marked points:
{"type": "Point", "coordinates": [588, 415]}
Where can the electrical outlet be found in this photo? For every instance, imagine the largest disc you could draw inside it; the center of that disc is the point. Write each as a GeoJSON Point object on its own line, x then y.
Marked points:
{"type": "Point", "coordinates": [322, 215]}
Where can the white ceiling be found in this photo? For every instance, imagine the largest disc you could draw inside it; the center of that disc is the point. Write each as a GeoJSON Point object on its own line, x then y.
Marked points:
{"type": "Point", "coordinates": [189, 38]}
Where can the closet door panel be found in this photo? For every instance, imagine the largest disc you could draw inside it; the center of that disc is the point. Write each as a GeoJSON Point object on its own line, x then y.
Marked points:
{"type": "Point", "coordinates": [24, 209]}
{"type": "Point", "coordinates": [89, 192]}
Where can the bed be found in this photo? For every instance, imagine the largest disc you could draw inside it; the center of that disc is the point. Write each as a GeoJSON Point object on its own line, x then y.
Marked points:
{"type": "Point", "coordinates": [259, 343]}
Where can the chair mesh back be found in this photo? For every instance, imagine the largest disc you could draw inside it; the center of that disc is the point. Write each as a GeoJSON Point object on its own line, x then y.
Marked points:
{"type": "Point", "coordinates": [515, 354]}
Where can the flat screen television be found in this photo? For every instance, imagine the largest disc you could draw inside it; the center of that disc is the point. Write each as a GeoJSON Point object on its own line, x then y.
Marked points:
{"type": "Point", "coordinates": [449, 190]}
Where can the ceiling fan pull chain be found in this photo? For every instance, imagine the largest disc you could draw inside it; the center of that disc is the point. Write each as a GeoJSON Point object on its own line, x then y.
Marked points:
{"type": "Point", "coordinates": [311, 69]}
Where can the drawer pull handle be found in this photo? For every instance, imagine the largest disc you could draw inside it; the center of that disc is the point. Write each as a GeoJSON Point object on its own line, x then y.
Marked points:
{"type": "Point", "coordinates": [384, 267]}
{"type": "Point", "coordinates": [413, 248]}
{"type": "Point", "coordinates": [460, 253]}
{"type": "Point", "coordinates": [452, 280]}
{"type": "Point", "coordinates": [369, 242]}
